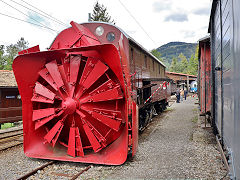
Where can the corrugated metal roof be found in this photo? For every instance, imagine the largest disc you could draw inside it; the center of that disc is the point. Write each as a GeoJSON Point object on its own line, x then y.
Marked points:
{"type": "Point", "coordinates": [7, 79]}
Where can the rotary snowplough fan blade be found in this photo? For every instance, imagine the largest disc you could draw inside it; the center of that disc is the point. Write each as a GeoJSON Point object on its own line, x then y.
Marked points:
{"type": "Point", "coordinates": [76, 100]}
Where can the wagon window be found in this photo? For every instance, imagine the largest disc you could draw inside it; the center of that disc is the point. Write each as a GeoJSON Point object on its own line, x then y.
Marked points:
{"type": "Point", "coordinates": [145, 61]}
{"type": "Point", "coordinates": [153, 64]}
{"type": "Point", "coordinates": [132, 55]}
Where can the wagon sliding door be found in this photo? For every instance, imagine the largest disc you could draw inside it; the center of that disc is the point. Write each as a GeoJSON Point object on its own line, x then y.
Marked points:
{"type": "Point", "coordinates": [217, 66]}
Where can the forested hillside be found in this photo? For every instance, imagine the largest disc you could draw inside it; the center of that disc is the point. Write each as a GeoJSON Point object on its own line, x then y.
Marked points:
{"type": "Point", "coordinates": [173, 49]}
{"type": "Point", "coordinates": [178, 57]}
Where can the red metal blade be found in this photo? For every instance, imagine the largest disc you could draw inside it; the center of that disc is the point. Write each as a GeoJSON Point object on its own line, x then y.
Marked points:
{"type": "Point", "coordinates": [87, 69]}
{"type": "Point", "coordinates": [42, 113]}
{"type": "Point", "coordinates": [88, 128]}
{"type": "Point", "coordinates": [42, 90]}
{"type": "Point", "coordinates": [43, 121]}
{"type": "Point", "coordinates": [52, 68]}
{"type": "Point", "coordinates": [98, 70]}
{"type": "Point", "coordinates": [79, 147]}
{"type": "Point", "coordinates": [71, 142]}
{"type": "Point", "coordinates": [98, 135]}
{"type": "Point", "coordinates": [39, 98]}
{"type": "Point", "coordinates": [111, 94]}
{"type": "Point", "coordinates": [56, 136]}
{"type": "Point", "coordinates": [74, 68]}
{"type": "Point", "coordinates": [80, 114]}
{"type": "Point", "coordinates": [53, 132]}
{"type": "Point", "coordinates": [45, 75]}
{"type": "Point", "coordinates": [113, 124]}
{"type": "Point", "coordinates": [109, 113]}
{"type": "Point", "coordinates": [109, 84]}
{"type": "Point", "coordinates": [92, 139]}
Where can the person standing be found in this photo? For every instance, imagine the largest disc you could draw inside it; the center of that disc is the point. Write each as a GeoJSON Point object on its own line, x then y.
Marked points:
{"type": "Point", "coordinates": [178, 95]}
{"type": "Point", "coordinates": [181, 94]}
{"type": "Point", "coordinates": [185, 94]}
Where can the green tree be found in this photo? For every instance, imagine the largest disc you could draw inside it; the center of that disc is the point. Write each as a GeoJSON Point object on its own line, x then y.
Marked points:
{"type": "Point", "coordinates": [193, 63]}
{"type": "Point", "coordinates": [11, 51]}
{"type": "Point", "coordinates": [8, 54]}
{"type": "Point", "coordinates": [22, 44]}
{"type": "Point", "coordinates": [183, 65]}
{"type": "Point", "coordinates": [2, 59]}
{"type": "Point", "coordinates": [174, 65]}
{"type": "Point", "coordinates": [156, 53]}
{"type": "Point", "coordinates": [100, 14]}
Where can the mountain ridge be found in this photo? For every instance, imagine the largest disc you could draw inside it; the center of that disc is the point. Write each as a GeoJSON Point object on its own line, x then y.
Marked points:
{"type": "Point", "coordinates": [174, 48]}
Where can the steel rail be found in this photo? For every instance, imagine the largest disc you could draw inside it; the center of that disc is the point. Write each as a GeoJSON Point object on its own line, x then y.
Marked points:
{"type": "Point", "coordinates": [222, 153]}
{"type": "Point", "coordinates": [35, 171]}
{"type": "Point", "coordinates": [78, 174]}
{"type": "Point", "coordinates": [11, 134]}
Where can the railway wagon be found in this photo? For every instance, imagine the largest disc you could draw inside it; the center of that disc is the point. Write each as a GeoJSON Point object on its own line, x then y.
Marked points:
{"type": "Point", "coordinates": [85, 98]}
{"type": "Point", "coordinates": [204, 76]}
{"type": "Point", "coordinates": [224, 29]}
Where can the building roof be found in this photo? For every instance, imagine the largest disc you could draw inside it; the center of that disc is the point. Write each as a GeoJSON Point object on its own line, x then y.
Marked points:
{"type": "Point", "coordinates": [7, 79]}
{"type": "Point", "coordinates": [181, 74]}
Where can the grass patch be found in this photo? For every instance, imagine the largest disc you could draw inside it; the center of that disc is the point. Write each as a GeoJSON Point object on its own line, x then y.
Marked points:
{"type": "Point", "coordinates": [191, 137]}
{"type": "Point", "coordinates": [195, 119]}
{"type": "Point", "coordinates": [168, 109]}
{"type": "Point", "coordinates": [195, 110]}
{"type": "Point", "coordinates": [7, 125]}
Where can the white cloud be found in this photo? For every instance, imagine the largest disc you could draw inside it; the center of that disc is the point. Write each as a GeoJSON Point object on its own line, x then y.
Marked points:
{"type": "Point", "coordinates": [159, 6]}
{"type": "Point", "coordinates": [177, 17]}
{"type": "Point", "coordinates": [150, 13]}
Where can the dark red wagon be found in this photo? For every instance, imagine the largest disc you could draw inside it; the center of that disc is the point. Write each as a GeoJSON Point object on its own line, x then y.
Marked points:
{"type": "Point", "coordinates": [204, 76]}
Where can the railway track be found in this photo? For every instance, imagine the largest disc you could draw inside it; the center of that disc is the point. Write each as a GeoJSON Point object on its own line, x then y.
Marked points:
{"type": "Point", "coordinates": [57, 174]}
{"type": "Point", "coordinates": [11, 137]}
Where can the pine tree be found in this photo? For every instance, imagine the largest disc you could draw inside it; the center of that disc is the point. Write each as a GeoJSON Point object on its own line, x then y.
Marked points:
{"type": "Point", "coordinates": [22, 44]}
{"type": "Point", "coordinates": [183, 65]}
{"type": "Point", "coordinates": [193, 63]}
{"type": "Point", "coordinates": [174, 65]}
{"type": "Point", "coordinates": [100, 14]}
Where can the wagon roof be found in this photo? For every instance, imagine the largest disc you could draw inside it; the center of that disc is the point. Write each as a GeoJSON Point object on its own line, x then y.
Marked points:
{"type": "Point", "coordinates": [7, 79]}
{"type": "Point", "coordinates": [181, 74]}
{"type": "Point", "coordinates": [129, 38]}
{"type": "Point", "coordinates": [213, 8]}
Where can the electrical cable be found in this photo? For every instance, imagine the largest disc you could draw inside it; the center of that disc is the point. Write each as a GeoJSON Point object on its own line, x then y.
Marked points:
{"type": "Point", "coordinates": [137, 22]}
{"type": "Point", "coordinates": [28, 16]}
{"type": "Point", "coordinates": [45, 13]}
{"type": "Point", "coordinates": [28, 22]}
{"type": "Point", "coordinates": [39, 13]}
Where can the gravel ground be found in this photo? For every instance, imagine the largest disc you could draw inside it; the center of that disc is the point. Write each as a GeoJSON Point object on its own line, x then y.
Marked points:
{"type": "Point", "coordinates": [14, 163]}
{"type": "Point", "coordinates": [173, 146]}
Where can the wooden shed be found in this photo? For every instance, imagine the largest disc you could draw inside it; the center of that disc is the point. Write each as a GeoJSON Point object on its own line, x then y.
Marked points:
{"type": "Point", "coordinates": [10, 100]}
